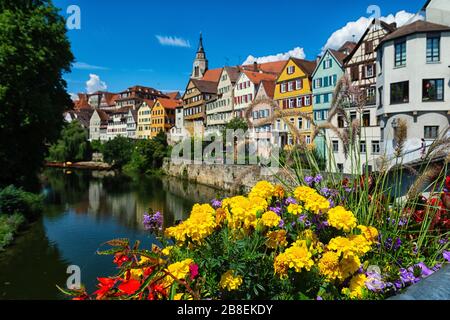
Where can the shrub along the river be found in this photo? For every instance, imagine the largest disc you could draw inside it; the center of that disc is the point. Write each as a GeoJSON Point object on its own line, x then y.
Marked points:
{"type": "Point", "coordinates": [16, 208]}
{"type": "Point", "coordinates": [136, 156]}
{"type": "Point", "coordinates": [72, 146]}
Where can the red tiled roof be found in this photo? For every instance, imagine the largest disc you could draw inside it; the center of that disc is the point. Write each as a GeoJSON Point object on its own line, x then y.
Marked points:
{"type": "Point", "coordinates": [205, 86]}
{"type": "Point", "coordinates": [173, 95]}
{"type": "Point", "coordinates": [257, 77]}
{"type": "Point", "coordinates": [149, 102]}
{"type": "Point", "coordinates": [170, 103]}
{"type": "Point", "coordinates": [103, 115]}
{"type": "Point", "coordinates": [212, 75]}
{"type": "Point", "coordinates": [268, 67]}
{"type": "Point", "coordinates": [269, 87]}
{"type": "Point", "coordinates": [349, 46]}
{"type": "Point", "coordinates": [340, 56]}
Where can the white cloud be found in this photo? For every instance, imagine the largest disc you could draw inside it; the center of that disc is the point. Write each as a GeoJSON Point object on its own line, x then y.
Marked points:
{"type": "Point", "coordinates": [74, 96]}
{"type": "Point", "coordinates": [173, 41]}
{"type": "Point", "coordinates": [95, 84]}
{"type": "Point", "coordinates": [294, 53]}
{"type": "Point", "coordinates": [357, 28]}
{"type": "Point", "coordinates": [87, 66]}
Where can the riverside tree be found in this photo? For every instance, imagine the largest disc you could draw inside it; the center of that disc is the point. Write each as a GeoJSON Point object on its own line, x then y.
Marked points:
{"type": "Point", "coordinates": [34, 54]}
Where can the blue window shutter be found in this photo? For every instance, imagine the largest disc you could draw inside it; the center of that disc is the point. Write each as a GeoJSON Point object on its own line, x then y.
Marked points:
{"type": "Point", "coordinates": [331, 63]}
{"type": "Point", "coordinates": [335, 79]}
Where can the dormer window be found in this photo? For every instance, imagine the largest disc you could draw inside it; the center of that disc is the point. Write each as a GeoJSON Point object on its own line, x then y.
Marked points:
{"type": "Point", "coordinates": [291, 69]}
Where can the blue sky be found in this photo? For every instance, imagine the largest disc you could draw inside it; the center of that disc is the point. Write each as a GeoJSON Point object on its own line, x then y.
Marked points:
{"type": "Point", "coordinates": [118, 40]}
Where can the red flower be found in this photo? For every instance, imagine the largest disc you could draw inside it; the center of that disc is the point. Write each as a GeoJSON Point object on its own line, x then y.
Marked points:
{"type": "Point", "coordinates": [120, 259]}
{"type": "Point", "coordinates": [104, 286]}
{"type": "Point", "coordinates": [129, 286]}
{"type": "Point", "coordinates": [193, 268]}
{"type": "Point", "coordinates": [82, 297]}
{"type": "Point", "coordinates": [419, 215]}
{"type": "Point", "coordinates": [447, 183]}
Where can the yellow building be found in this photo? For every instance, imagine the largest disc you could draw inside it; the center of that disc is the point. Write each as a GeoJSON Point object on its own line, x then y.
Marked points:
{"type": "Point", "coordinates": [163, 115]}
{"type": "Point", "coordinates": [293, 92]}
{"type": "Point", "coordinates": [143, 130]}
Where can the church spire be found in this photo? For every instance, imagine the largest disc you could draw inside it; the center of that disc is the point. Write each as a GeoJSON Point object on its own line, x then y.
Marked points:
{"type": "Point", "coordinates": [200, 45]}
{"type": "Point", "coordinates": [201, 62]}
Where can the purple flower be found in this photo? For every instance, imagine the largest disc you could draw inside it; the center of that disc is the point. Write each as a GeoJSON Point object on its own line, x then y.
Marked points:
{"type": "Point", "coordinates": [425, 270]}
{"type": "Point", "coordinates": [319, 298]}
{"type": "Point", "coordinates": [446, 255]}
{"type": "Point", "coordinates": [332, 204]}
{"type": "Point", "coordinates": [443, 241]}
{"type": "Point", "coordinates": [290, 200]}
{"type": "Point", "coordinates": [277, 210]}
{"type": "Point", "coordinates": [374, 282]}
{"type": "Point", "coordinates": [153, 222]}
{"type": "Point", "coordinates": [348, 190]}
{"type": "Point", "coordinates": [216, 203]}
{"type": "Point", "coordinates": [309, 180]}
{"type": "Point", "coordinates": [318, 179]}
{"type": "Point", "coordinates": [325, 192]}
{"type": "Point", "coordinates": [398, 244]}
{"type": "Point", "coordinates": [281, 225]}
{"type": "Point", "coordinates": [407, 276]}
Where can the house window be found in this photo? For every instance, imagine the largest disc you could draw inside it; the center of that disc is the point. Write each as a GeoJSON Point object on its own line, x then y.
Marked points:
{"type": "Point", "coordinates": [371, 98]}
{"type": "Point", "coordinates": [291, 86]}
{"type": "Point", "coordinates": [400, 53]}
{"type": "Point", "coordinates": [291, 70]}
{"type": "Point", "coordinates": [326, 98]}
{"type": "Point", "coordinates": [369, 71]}
{"type": "Point", "coordinates": [308, 124]}
{"type": "Point", "coordinates": [433, 90]}
{"type": "Point", "coordinates": [434, 48]}
{"type": "Point", "coordinates": [363, 147]}
{"type": "Point", "coordinates": [318, 99]}
{"type": "Point", "coordinates": [298, 84]}
{"type": "Point", "coordinates": [354, 73]}
{"type": "Point", "coordinates": [300, 123]}
{"type": "Point", "coordinates": [308, 139]}
{"type": "Point", "coordinates": [327, 64]}
{"type": "Point", "coordinates": [283, 88]}
{"type": "Point", "coordinates": [400, 92]}
{"type": "Point", "coordinates": [299, 102]}
{"type": "Point", "coordinates": [318, 83]}
{"type": "Point", "coordinates": [335, 146]}
{"type": "Point", "coordinates": [376, 147]}
{"type": "Point", "coordinates": [291, 103]}
{"type": "Point", "coordinates": [341, 123]}
{"type": "Point", "coordinates": [318, 115]}
{"type": "Point", "coordinates": [369, 47]}
{"type": "Point", "coordinates": [307, 101]}
{"type": "Point", "coordinates": [366, 119]}
{"type": "Point", "coordinates": [431, 132]}
{"type": "Point", "coordinates": [340, 167]}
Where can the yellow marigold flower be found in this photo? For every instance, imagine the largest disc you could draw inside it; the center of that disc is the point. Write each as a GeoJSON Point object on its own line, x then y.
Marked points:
{"type": "Point", "coordinates": [270, 219]}
{"type": "Point", "coordinates": [230, 282]}
{"type": "Point", "coordinates": [341, 219]}
{"type": "Point", "coordinates": [311, 199]}
{"type": "Point", "coordinates": [357, 288]}
{"type": "Point", "coordinates": [243, 212]}
{"type": "Point", "coordinates": [262, 189]}
{"type": "Point", "coordinates": [294, 209]}
{"type": "Point", "coordinates": [200, 225]}
{"type": "Point", "coordinates": [167, 250]}
{"type": "Point", "coordinates": [139, 272]}
{"type": "Point", "coordinates": [279, 192]}
{"type": "Point", "coordinates": [276, 239]}
{"type": "Point", "coordinates": [335, 268]}
{"type": "Point", "coordinates": [179, 270]}
{"type": "Point", "coordinates": [296, 257]}
{"type": "Point", "coordinates": [182, 296]}
{"type": "Point", "coordinates": [370, 233]}
{"type": "Point", "coordinates": [343, 246]}
{"type": "Point", "coordinates": [360, 244]}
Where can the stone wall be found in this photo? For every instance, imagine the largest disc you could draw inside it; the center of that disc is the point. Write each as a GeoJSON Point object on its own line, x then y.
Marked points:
{"type": "Point", "coordinates": [234, 178]}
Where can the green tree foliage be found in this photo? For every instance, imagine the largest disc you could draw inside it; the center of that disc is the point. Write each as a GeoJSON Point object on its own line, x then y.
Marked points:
{"type": "Point", "coordinates": [15, 200]}
{"type": "Point", "coordinates": [149, 154]}
{"type": "Point", "coordinates": [237, 124]}
{"type": "Point", "coordinates": [72, 146]}
{"type": "Point", "coordinates": [118, 151]}
{"type": "Point", "coordinates": [34, 54]}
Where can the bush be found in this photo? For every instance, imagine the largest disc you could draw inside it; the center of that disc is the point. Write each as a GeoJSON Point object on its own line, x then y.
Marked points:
{"type": "Point", "coordinates": [117, 152]}
{"type": "Point", "coordinates": [72, 146]}
{"type": "Point", "coordinates": [8, 227]}
{"type": "Point", "coordinates": [14, 200]}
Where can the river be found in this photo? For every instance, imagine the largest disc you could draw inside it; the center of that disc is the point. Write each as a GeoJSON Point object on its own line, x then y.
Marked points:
{"type": "Point", "coordinates": [83, 210]}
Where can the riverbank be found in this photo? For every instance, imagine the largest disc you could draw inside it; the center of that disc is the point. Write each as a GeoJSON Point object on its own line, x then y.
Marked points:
{"type": "Point", "coordinates": [230, 178]}
{"type": "Point", "coordinates": [87, 165]}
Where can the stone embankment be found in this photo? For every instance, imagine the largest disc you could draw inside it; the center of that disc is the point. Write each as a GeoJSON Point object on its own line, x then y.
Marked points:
{"type": "Point", "coordinates": [89, 165]}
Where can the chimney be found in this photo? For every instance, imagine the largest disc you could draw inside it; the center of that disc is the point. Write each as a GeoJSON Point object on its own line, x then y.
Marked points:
{"type": "Point", "coordinates": [255, 66]}
{"type": "Point", "coordinates": [318, 59]}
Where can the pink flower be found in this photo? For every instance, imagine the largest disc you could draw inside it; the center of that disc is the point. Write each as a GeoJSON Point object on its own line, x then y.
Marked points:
{"type": "Point", "coordinates": [193, 268]}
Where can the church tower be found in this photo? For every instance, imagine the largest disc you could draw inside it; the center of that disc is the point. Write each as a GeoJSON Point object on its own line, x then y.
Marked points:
{"type": "Point", "coordinates": [200, 63]}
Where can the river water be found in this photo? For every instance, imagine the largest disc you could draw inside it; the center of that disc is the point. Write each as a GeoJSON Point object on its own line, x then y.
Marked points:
{"type": "Point", "coordinates": [83, 210]}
